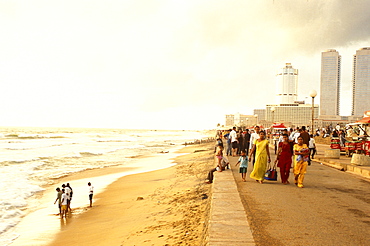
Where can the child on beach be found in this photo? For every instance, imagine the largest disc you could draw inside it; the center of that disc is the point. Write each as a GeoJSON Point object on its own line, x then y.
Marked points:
{"type": "Point", "coordinates": [243, 160]}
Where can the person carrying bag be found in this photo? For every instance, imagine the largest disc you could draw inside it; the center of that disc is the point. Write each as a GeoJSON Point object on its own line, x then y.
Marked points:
{"type": "Point", "coordinates": [271, 173]}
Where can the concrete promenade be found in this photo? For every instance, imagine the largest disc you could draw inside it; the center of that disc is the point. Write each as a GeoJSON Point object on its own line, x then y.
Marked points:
{"type": "Point", "coordinates": [228, 224]}
{"type": "Point", "coordinates": [343, 163]}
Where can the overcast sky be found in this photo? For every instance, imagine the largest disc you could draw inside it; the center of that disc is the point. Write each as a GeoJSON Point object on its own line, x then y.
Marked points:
{"type": "Point", "coordinates": [165, 64]}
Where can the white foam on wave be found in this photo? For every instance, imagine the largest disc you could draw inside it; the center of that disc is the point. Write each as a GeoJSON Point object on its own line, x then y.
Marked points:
{"type": "Point", "coordinates": [15, 189]}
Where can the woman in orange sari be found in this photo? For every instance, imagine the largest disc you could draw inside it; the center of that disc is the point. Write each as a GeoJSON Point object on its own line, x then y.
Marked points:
{"type": "Point", "coordinates": [302, 153]}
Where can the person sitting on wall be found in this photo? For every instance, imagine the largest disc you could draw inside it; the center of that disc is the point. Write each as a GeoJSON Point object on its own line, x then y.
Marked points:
{"type": "Point", "coordinates": [224, 165]}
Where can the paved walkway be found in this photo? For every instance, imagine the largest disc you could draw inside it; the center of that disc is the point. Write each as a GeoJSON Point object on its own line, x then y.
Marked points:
{"type": "Point", "coordinates": [343, 163]}
{"type": "Point", "coordinates": [228, 223]}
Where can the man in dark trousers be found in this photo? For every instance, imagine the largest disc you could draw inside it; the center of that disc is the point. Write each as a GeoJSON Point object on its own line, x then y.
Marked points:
{"type": "Point", "coordinates": [247, 138]}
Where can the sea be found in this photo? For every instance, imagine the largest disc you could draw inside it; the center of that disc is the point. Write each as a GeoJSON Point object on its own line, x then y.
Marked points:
{"type": "Point", "coordinates": [33, 158]}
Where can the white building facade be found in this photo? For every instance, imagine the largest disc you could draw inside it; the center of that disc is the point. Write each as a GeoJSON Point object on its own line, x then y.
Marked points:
{"type": "Point", "coordinates": [330, 82]}
{"type": "Point", "coordinates": [286, 84]}
{"type": "Point", "coordinates": [294, 114]}
{"type": "Point", "coordinates": [361, 82]}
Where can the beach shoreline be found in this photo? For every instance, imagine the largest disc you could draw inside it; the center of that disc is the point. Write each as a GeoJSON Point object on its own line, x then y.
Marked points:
{"type": "Point", "coordinates": [100, 197]}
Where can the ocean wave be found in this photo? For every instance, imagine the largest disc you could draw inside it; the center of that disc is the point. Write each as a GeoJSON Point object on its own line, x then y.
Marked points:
{"type": "Point", "coordinates": [87, 153]}
{"type": "Point", "coordinates": [19, 161]}
{"type": "Point", "coordinates": [33, 136]}
{"type": "Point", "coordinates": [112, 141]}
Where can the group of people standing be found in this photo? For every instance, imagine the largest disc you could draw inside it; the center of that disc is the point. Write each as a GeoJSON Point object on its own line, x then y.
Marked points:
{"type": "Point", "coordinates": [237, 141]}
{"type": "Point", "coordinates": [298, 144]}
{"type": "Point", "coordinates": [64, 198]}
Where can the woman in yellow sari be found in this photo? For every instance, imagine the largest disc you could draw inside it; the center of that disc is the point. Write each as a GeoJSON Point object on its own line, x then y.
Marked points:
{"type": "Point", "coordinates": [261, 146]}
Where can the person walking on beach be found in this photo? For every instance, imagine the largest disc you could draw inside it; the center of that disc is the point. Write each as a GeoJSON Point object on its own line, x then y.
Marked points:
{"type": "Point", "coordinates": [91, 192]}
{"type": "Point", "coordinates": [64, 203]}
{"type": "Point", "coordinates": [261, 148]}
{"type": "Point", "coordinates": [243, 160]}
{"type": "Point", "coordinates": [59, 199]}
{"type": "Point", "coordinates": [301, 157]}
{"type": "Point", "coordinates": [67, 191]}
{"type": "Point", "coordinates": [70, 195]}
{"type": "Point", "coordinates": [284, 159]}
{"type": "Point", "coordinates": [234, 141]}
{"type": "Point", "coordinates": [254, 136]}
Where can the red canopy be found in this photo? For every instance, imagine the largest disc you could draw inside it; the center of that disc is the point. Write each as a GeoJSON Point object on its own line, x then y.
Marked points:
{"type": "Point", "coordinates": [364, 120]}
{"type": "Point", "coordinates": [278, 126]}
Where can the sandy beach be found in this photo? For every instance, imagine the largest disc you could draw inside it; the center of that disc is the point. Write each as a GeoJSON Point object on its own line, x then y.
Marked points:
{"type": "Point", "coordinates": [163, 207]}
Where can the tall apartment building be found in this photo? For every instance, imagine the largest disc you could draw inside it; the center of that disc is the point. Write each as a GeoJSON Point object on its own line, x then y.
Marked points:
{"type": "Point", "coordinates": [361, 82]}
{"type": "Point", "coordinates": [287, 84]}
{"type": "Point", "coordinates": [330, 82]}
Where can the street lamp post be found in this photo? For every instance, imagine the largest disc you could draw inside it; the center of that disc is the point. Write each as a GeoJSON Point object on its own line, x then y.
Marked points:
{"type": "Point", "coordinates": [256, 115]}
{"type": "Point", "coordinates": [272, 114]}
{"type": "Point", "coordinates": [313, 94]}
{"type": "Point", "coordinates": [272, 140]}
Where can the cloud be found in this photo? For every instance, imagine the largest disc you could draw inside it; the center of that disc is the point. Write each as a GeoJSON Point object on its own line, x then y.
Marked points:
{"type": "Point", "coordinates": [152, 57]}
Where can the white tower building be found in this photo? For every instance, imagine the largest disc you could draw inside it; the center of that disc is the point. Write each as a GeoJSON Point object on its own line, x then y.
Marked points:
{"type": "Point", "coordinates": [330, 82]}
{"type": "Point", "coordinates": [287, 85]}
{"type": "Point", "coordinates": [361, 82]}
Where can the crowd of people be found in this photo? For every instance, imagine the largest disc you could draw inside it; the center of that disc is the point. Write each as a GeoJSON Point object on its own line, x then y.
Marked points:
{"type": "Point", "coordinates": [64, 198]}
{"type": "Point", "coordinates": [295, 147]}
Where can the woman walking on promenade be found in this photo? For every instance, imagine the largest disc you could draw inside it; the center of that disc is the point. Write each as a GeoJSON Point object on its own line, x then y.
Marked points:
{"type": "Point", "coordinates": [261, 147]}
{"type": "Point", "coordinates": [284, 159]}
{"type": "Point", "coordinates": [301, 158]}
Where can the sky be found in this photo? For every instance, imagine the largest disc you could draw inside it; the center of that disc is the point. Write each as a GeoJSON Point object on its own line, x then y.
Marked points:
{"type": "Point", "coordinates": [161, 64]}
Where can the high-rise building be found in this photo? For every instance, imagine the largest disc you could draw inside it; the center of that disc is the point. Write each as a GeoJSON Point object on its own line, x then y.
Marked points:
{"type": "Point", "coordinates": [287, 84]}
{"type": "Point", "coordinates": [330, 82]}
{"type": "Point", "coordinates": [361, 82]}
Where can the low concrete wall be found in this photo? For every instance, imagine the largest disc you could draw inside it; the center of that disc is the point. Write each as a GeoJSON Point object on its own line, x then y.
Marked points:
{"type": "Point", "coordinates": [361, 160]}
{"type": "Point", "coordinates": [332, 153]}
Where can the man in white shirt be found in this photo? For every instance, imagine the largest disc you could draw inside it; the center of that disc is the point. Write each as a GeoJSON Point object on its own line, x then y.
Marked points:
{"type": "Point", "coordinates": [234, 141]}
{"type": "Point", "coordinates": [64, 204]}
{"type": "Point", "coordinates": [67, 191]}
{"type": "Point", "coordinates": [254, 136]}
{"type": "Point", "coordinates": [297, 135]}
{"type": "Point", "coordinates": [91, 192]}
{"type": "Point", "coordinates": [281, 138]}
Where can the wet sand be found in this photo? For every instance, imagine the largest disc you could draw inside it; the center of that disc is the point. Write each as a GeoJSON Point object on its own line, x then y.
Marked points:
{"type": "Point", "coordinates": [163, 207]}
